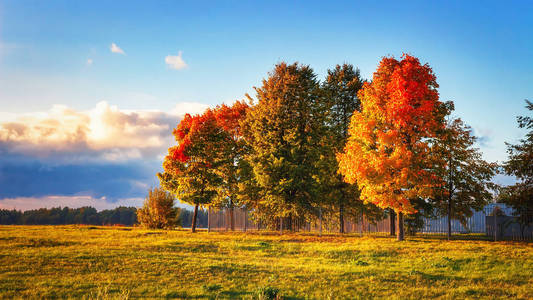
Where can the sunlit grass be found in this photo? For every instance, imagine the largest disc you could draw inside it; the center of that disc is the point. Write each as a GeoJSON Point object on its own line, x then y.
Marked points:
{"type": "Point", "coordinates": [107, 262]}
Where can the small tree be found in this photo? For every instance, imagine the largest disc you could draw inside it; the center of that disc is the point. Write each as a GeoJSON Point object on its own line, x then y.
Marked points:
{"type": "Point", "coordinates": [340, 90]}
{"type": "Point", "coordinates": [191, 168]}
{"type": "Point", "coordinates": [520, 165]}
{"type": "Point", "coordinates": [228, 118]}
{"type": "Point", "coordinates": [467, 177]}
{"type": "Point", "coordinates": [158, 210]}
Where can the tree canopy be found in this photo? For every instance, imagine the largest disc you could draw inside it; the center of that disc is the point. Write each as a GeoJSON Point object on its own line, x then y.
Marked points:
{"type": "Point", "coordinates": [388, 151]}
{"type": "Point", "coordinates": [190, 169]}
{"type": "Point", "coordinates": [520, 165]}
{"type": "Point", "coordinates": [283, 132]}
{"type": "Point", "coordinates": [466, 176]}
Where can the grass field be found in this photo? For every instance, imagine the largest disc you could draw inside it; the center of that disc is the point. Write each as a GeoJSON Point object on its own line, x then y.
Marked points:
{"type": "Point", "coordinates": [114, 262]}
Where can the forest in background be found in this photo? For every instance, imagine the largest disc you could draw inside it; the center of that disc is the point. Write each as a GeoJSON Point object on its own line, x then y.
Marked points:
{"type": "Point", "coordinates": [126, 216]}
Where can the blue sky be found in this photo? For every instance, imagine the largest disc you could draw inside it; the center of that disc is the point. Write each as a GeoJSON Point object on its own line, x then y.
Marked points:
{"type": "Point", "coordinates": [57, 72]}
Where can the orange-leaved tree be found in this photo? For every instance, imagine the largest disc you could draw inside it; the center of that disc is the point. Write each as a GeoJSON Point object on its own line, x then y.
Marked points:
{"type": "Point", "coordinates": [388, 153]}
{"type": "Point", "coordinates": [228, 118]}
{"type": "Point", "coordinates": [190, 169]}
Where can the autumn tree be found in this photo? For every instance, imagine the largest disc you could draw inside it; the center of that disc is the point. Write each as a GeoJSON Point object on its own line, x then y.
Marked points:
{"type": "Point", "coordinates": [388, 150]}
{"type": "Point", "coordinates": [340, 92]}
{"type": "Point", "coordinates": [158, 210]}
{"type": "Point", "coordinates": [283, 131]}
{"type": "Point", "coordinates": [466, 176]}
{"type": "Point", "coordinates": [520, 164]}
{"type": "Point", "coordinates": [228, 118]}
{"type": "Point", "coordinates": [190, 169]}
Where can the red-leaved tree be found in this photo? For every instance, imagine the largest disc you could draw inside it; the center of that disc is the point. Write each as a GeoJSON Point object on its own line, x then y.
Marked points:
{"type": "Point", "coordinates": [228, 118]}
{"type": "Point", "coordinates": [388, 153]}
{"type": "Point", "coordinates": [190, 168]}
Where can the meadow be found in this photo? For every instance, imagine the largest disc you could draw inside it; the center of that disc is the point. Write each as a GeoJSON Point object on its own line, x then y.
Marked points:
{"type": "Point", "coordinates": [120, 263]}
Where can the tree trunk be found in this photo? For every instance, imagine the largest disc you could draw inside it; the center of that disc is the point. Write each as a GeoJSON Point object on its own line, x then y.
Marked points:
{"type": "Point", "coordinates": [450, 191]}
{"type": "Point", "coordinates": [209, 219]}
{"type": "Point", "coordinates": [193, 227]}
{"type": "Point", "coordinates": [280, 225]}
{"type": "Point", "coordinates": [231, 215]}
{"type": "Point", "coordinates": [245, 219]}
{"type": "Point", "coordinates": [392, 223]}
{"type": "Point", "coordinates": [320, 217]}
{"type": "Point", "coordinates": [290, 223]}
{"type": "Point", "coordinates": [341, 217]}
{"type": "Point", "coordinates": [363, 228]}
{"type": "Point", "coordinates": [399, 225]}
{"type": "Point", "coordinates": [449, 219]}
{"type": "Point", "coordinates": [362, 223]}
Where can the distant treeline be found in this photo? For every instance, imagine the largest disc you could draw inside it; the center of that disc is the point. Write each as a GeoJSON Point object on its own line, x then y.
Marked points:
{"type": "Point", "coordinates": [86, 215]}
{"type": "Point", "coordinates": [62, 216]}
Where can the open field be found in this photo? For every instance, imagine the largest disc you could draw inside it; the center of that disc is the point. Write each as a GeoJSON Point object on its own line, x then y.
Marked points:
{"type": "Point", "coordinates": [114, 262]}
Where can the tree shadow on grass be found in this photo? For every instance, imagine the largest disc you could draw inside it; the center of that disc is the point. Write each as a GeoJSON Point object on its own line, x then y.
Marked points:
{"type": "Point", "coordinates": [443, 237]}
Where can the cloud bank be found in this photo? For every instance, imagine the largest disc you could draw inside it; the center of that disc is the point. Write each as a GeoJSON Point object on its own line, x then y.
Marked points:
{"type": "Point", "coordinates": [102, 133]}
{"type": "Point", "coordinates": [104, 153]}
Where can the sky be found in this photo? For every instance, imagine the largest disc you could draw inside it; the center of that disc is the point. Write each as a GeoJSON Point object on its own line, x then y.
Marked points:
{"type": "Point", "coordinates": [91, 90]}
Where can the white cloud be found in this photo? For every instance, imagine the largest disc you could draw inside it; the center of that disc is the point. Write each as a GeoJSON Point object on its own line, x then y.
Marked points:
{"type": "Point", "coordinates": [175, 62]}
{"type": "Point", "coordinates": [116, 49]}
{"type": "Point", "coordinates": [102, 133]}
{"type": "Point", "coordinates": [27, 203]}
{"type": "Point", "coordinates": [89, 62]}
{"type": "Point", "coordinates": [189, 107]}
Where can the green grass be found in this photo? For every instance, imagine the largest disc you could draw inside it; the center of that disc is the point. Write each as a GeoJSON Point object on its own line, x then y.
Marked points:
{"type": "Point", "coordinates": [114, 262]}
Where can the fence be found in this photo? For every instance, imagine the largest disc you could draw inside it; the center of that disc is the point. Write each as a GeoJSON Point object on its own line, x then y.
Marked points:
{"type": "Point", "coordinates": [481, 222]}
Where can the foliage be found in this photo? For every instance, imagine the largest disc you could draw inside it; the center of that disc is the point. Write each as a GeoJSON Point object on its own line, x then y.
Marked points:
{"type": "Point", "coordinates": [282, 131]}
{"type": "Point", "coordinates": [340, 92]}
{"type": "Point", "coordinates": [520, 165]}
{"type": "Point", "coordinates": [466, 176]}
{"type": "Point", "coordinates": [229, 119]}
{"type": "Point", "coordinates": [158, 210]}
{"type": "Point", "coordinates": [77, 261]}
{"type": "Point", "coordinates": [413, 223]}
{"type": "Point", "coordinates": [388, 151]}
{"type": "Point", "coordinates": [61, 216]}
{"type": "Point", "coordinates": [190, 169]}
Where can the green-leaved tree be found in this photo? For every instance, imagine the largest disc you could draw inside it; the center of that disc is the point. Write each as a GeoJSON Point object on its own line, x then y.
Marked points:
{"type": "Point", "coordinates": [340, 92]}
{"type": "Point", "coordinates": [283, 132]}
{"type": "Point", "coordinates": [520, 164]}
{"type": "Point", "coordinates": [466, 176]}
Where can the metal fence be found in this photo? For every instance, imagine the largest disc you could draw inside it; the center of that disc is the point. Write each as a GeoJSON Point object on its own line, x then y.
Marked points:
{"type": "Point", "coordinates": [481, 222]}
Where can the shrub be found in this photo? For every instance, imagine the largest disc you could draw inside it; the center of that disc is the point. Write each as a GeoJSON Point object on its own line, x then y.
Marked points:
{"type": "Point", "coordinates": [158, 210]}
